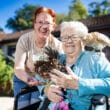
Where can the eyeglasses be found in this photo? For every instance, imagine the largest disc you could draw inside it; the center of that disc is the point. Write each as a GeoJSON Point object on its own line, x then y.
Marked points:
{"type": "Point", "coordinates": [72, 37]}
{"type": "Point", "coordinates": [40, 23]}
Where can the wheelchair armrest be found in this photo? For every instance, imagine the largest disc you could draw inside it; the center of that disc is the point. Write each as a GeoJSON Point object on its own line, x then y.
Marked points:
{"type": "Point", "coordinates": [99, 99]}
{"type": "Point", "coordinates": [28, 89]}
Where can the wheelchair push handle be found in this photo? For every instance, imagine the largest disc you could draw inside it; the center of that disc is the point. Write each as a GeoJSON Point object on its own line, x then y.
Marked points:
{"type": "Point", "coordinates": [28, 89]}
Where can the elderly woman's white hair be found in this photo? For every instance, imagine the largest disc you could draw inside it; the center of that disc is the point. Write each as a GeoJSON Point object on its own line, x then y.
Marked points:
{"type": "Point", "coordinates": [78, 26]}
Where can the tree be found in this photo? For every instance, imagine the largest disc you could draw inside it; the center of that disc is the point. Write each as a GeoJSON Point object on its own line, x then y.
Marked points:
{"type": "Point", "coordinates": [23, 19]}
{"type": "Point", "coordinates": [61, 17]}
{"type": "Point", "coordinates": [98, 9]}
{"type": "Point", "coordinates": [1, 29]}
{"type": "Point", "coordinates": [77, 11]}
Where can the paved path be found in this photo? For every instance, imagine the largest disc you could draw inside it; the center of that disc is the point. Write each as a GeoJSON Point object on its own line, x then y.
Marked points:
{"type": "Point", "coordinates": [6, 103]}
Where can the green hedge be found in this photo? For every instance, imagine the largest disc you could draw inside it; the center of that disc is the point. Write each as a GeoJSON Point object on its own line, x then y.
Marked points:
{"type": "Point", "coordinates": [6, 75]}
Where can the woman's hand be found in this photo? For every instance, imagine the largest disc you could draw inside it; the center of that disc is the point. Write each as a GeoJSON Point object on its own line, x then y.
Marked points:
{"type": "Point", "coordinates": [69, 80]}
{"type": "Point", "coordinates": [54, 93]}
{"type": "Point", "coordinates": [33, 82]}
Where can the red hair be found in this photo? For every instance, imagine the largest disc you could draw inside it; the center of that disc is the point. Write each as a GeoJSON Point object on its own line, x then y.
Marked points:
{"type": "Point", "coordinates": [46, 10]}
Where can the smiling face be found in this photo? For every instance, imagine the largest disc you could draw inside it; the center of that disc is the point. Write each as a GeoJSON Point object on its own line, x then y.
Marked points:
{"type": "Point", "coordinates": [71, 42]}
{"type": "Point", "coordinates": [43, 26]}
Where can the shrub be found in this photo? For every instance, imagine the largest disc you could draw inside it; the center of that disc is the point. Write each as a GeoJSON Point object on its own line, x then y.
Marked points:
{"type": "Point", "coordinates": [6, 76]}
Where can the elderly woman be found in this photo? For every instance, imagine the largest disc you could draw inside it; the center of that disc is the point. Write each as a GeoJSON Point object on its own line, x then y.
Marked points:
{"type": "Point", "coordinates": [88, 72]}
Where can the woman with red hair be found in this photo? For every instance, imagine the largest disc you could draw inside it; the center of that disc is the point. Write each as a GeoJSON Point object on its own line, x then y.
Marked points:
{"type": "Point", "coordinates": [29, 48]}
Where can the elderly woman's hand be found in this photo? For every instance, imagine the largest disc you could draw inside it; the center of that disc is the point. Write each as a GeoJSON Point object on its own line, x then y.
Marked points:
{"type": "Point", "coordinates": [54, 93]}
{"type": "Point", "coordinates": [69, 80]}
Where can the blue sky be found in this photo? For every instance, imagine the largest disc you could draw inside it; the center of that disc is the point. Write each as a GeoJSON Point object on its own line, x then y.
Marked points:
{"type": "Point", "coordinates": [8, 7]}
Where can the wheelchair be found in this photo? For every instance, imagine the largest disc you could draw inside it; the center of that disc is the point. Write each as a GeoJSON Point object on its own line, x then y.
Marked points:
{"type": "Point", "coordinates": [97, 101]}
